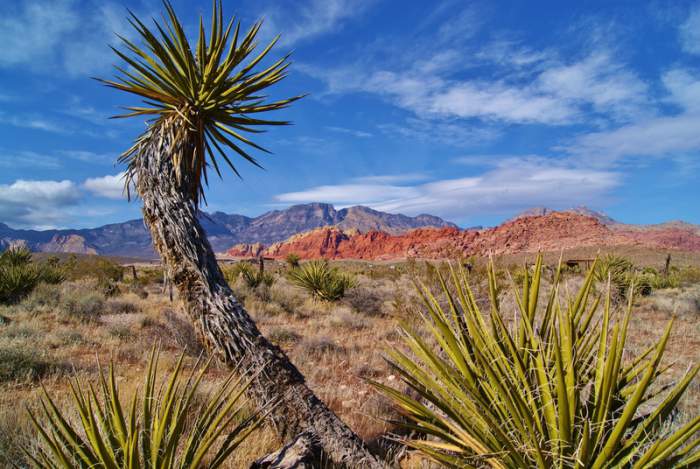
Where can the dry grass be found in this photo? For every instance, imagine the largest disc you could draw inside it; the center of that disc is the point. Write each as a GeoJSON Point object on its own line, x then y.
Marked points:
{"type": "Point", "coordinates": [60, 331]}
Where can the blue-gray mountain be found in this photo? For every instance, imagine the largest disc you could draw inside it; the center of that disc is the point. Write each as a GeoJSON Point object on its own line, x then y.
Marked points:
{"type": "Point", "coordinates": [132, 239]}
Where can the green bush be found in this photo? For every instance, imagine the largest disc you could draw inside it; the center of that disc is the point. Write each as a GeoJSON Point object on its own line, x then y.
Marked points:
{"type": "Point", "coordinates": [252, 276]}
{"type": "Point", "coordinates": [165, 425]}
{"type": "Point", "coordinates": [292, 260]}
{"type": "Point", "coordinates": [554, 387]}
{"type": "Point", "coordinates": [617, 269]}
{"type": "Point", "coordinates": [19, 275]}
{"type": "Point", "coordinates": [322, 281]}
{"type": "Point", "coordinates": [17, 281]}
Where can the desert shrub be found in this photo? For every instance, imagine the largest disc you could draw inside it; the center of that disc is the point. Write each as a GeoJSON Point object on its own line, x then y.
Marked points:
{"type": "Point", "coordinates": [281, 334]}
{"type": "Point", "coordinates": [18, 364]}
{"type": "Point", "coordinates": [688, 275]}
{"type": "Point", "coordinates": [119, 331]}
{"type": "Point", "coordinates": [84, 305]}
{"type": "Point", "coordinates": [115, 306]}
{"type": "Point", "coordinates": [165, 425]}
{"type": "Point", "coordinates": [292, 260]}
{"type": "Point", "coordinates": [682, 301]}
{"type": "Point", "coordinates": [346, 319]}
{"type": "Point", "coordinates": [550, 389]}
{"type": "Point", "coordinates": [322, 281]}
{"type": "Point", "coordinates": [366, 300]}
{"type": "Point", "coordinates": [98, 267]}
{"type": "Point", "coordinates": [182, 332]}
{"type": "Point", "coordinates": [319, 346]}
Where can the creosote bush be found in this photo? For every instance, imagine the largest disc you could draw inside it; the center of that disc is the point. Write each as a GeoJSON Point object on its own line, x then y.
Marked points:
{"type": "Point", "coordinates": [556, 388]}
{"type": "Point", "coordinates": [164, 425]}
{"type": "Point", "coordinates": [321, 280]}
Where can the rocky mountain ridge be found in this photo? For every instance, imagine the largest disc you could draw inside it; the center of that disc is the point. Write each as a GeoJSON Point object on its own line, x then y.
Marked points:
{"type": "Point", "coordinates": [549, 231]}
{"type": "Point", "coordinates": [132, 239]}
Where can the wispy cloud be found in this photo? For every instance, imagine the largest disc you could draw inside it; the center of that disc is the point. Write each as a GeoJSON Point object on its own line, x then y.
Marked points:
{"type": "Point", "coordinates": [28, 159]}
{"type": "Point", "coordinates": [89, 156]}
{"type": "Point", "coordinates": [651, 137]}
{"type": "Point", "coordinates": [561, 93]}
{"type": "Point", "coordinates": [43, 35]}
{"type": "Point", "coordinates": [689, 32]}
{"type": "Point", "coordinates": [302, 21]}
{"type": "Point", "coordinates": [353, 132]}
{"type": "Point", "coordinates": [512, 184]}
{"type": "Point", "coordinates": [35, 122]}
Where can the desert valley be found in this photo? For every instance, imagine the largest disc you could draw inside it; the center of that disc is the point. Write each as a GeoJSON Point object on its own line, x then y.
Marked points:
{"type": "Point", "coordinates": [349, 234]}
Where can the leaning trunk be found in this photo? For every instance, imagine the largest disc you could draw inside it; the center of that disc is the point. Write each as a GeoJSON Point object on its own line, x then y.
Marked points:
{"type": "Point", "coordinates": [225, 327]}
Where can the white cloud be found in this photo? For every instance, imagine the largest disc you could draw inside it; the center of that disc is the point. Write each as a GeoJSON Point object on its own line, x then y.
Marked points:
{"type": "Point", "coordinates": [654, 137]}
{"type": "Point", "coordinates": [448, 131]}
{"type": "Point", "coordinates": [512, 184]}
{"type": "Point", "coordinates": [391, 178]}
{"type": "Point", "coordinates": [32, 32]}
{"type": "Point", "coordinates": [666, 136]}
{"type": "Point", "coordinates": [110, 186]}
{"type": "Point", "coordinates": [36, 203]}
{"type": "Point", "coordinates": [560, 93]}
{"type": "Point", "coordinates": [89, 156]}
{"type": "Point", "coordinates": [599, 81]}
{"type": "Point", "coordinates": [684, 88]}
{"type": "Point", "coordinates": [311, 19]}
{"type": "Point", "coordinates": [500, 101]}
{"type": "Point", "coordinates": [690, 32]}
{"type": "Point", "coordinates": [30, 121]}
{"type": "Point", "coordinates": [353, 132]}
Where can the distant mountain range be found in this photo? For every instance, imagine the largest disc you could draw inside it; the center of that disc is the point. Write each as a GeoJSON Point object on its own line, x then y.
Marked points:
{"type": "Point", "coordinates": [132, 239]}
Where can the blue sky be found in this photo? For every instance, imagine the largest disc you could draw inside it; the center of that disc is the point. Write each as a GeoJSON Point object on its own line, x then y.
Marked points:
{"type": "Point", "coordinates": [472, 111]}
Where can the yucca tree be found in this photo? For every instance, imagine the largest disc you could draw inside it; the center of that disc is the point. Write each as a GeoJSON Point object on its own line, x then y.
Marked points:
{"type": "Point", "coordinates": [553, 389]}
{"type": "Point", "coordinates": [202, 101]}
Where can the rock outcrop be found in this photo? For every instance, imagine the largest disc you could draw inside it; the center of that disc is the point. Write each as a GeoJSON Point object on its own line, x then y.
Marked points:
{"type": "Point", "coordinates": [550, 231]}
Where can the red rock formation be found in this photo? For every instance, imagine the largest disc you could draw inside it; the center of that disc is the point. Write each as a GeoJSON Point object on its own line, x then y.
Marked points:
{"type": "Point", "coordinates": [550, 232]}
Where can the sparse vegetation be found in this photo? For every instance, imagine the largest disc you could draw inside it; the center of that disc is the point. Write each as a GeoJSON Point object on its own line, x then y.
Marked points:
{"type": "Point", "coordinates": [336, 345]}
{"type": "Point", "coordinates": [322, 281]}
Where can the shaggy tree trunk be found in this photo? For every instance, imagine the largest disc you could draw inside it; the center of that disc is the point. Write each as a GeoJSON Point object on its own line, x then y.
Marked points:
{"type": "Point", "coordinates": [226, 328]}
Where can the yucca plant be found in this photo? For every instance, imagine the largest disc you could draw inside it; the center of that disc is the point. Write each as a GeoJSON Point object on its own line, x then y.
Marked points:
{"type": "Point", "coordinates": [205, 99]}
{"type": "Point", "coordinates": [255, 277]}
{"type": "Point", "coordinates": [165, 425]}
{"type": "Point", "coordinates": [16, 256]}
{"type": "Point", "coordinates": [18, 275]}
{"type": "Point", "coordinates": [292, 260]}
{"type": "Point", "coordinates": [322, 281]}
{"type": "Point", "coordinates": [619, 270]}
{"type": "Point", "coordinates": [554, 388]}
